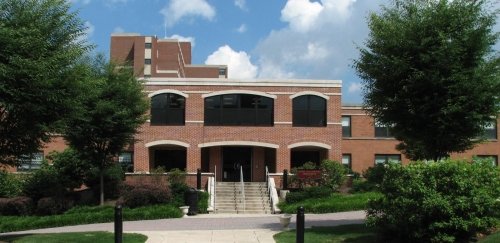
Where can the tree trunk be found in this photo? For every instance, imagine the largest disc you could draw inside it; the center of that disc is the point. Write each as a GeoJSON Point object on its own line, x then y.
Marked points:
{"type": "Point", "coordinates": [101, 185]}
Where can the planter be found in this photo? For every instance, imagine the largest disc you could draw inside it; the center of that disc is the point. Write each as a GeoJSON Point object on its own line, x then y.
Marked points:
{"type": "Point", "coordinates": [185, 210]}
{"type": "Point", "coordinates": [285, 220]}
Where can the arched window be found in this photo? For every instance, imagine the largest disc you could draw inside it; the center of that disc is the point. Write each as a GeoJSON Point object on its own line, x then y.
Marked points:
{"type": "Point", "coordinates": [309, 111]}
{"type": "Point", "coordinates": [239, 110]}
{"type": "Point", "coordinates": [167, 109]}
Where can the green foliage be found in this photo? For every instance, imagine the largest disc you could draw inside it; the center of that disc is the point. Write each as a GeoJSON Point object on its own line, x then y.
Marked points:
{"type": "Point", "coordinates": [430, 73]}
{"type": "Point", "coordinates": [113, 178]}
{"type": "Point", "coordinates": [437, 201]}
{"type": "Point", "coordinates": [334, 203]}
{"type": "Point", "coordinates": [39, 72]}
{"type": "Point", "coordinates": [177, 176]}
{"type": "Point", "coordinates": [178, 191]}
{"type": "Point", "coordinates": [308, 192]}
{"type": "Point", "coordinates": [44, 182]}
{"type": "Point", "coordinates": [372, 178]}
{"type": "Point", "coordinates": [354, 233]}
{"type": "Point", "coordinates": [145, 195]}
{"type": "Point", "coordinates": [16, 206]}
{"type": "Point", "coordinates": [203, 201]}
{"type": "Point", "coordinates": [70, 167]}
{"type": "Point", "coordinates": [10, 185]}
{"type": "Point", "coordinates": [87, 215]}
{"type": "Point", "coordinates": [80, 237]}
{"type": "Point", "coordinates": [53, 205]}
{"type": "Point", "coordinates": [334, 174]}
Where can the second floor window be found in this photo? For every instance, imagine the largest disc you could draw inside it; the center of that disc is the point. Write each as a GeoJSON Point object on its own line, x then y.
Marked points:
{"type": "Point", "coordinates": [167, 109]}
{"type": "Point", "coordinates": [385, 158]}
{"type": "Point", "coordinates": [309, 111]}
{"type": "Point", "coordinates": [490, 131]}
{"type": "Point", "coordinates": [382, 130]}
{"type": "Point", "coordinates": [239, 110]}
{"type": "Point", "coordinates": [346, 126]}
{"type": "Point", "coordinates": [30, 162]}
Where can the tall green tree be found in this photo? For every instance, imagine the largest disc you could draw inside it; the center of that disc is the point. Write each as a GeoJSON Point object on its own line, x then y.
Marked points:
{"type": "Point", "coordinates": [430, 73]}
{"type": "Point", "coordinates": [40, 43]}
{"type": "Point", "coordinates": [112, 108]}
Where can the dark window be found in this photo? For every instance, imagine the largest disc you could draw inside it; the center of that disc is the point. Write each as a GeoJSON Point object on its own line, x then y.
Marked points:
{"type": "Point", "coordinates": [222, 71]}
{"type": "Point", "coordinates": [346, 161]}
{"type": "Point", "coordinates": [382, 131]}
{"type": "Point", "coordinates": [239, 110]}
{"type": "Point", "coordinates": [385, 158]}
{"type": "Point", "coordinates": [490, 131]}
{"type": "Point", "coordinates": [147, 61]}
{"type": "Point", "coordinates": [493, 158]}
{"type": "Point", "coordinates": [147, 45]}
{"type": "Point", "coordinates": [170, 159]}
{"type": "Point", "coordinates": [126, 160]}
{"type": "Point", "coordinates": [30, 162]}
{"type": "Point", "coordinates": [309, 111]}
{"type": "Point", "coordinates": [299, 158]}
{"type": "Point", "coordinates": [167, 109]}
{"type": "Point", "coordinates": [346, 126]}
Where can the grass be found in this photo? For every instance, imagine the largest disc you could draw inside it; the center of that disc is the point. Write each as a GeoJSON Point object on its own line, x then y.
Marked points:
{"type": "Point", "coordinates": [348, 233]}
{"type": "Point", "coordinates": [81, 237]}
{"type": "Point", "coordinates": [87, 215]}
{"type": "Point", "coordinates": [335, 203]}
{"type": "Point", "coordinates": [344, 233]}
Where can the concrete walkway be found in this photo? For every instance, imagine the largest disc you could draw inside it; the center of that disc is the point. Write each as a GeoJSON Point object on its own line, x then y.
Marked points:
{"type": "Point", "coordinates": [212, 227]}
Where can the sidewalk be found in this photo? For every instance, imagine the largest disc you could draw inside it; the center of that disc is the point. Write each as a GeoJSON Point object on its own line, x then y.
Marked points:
{"type": "Point", "coordinates": [212, 227]}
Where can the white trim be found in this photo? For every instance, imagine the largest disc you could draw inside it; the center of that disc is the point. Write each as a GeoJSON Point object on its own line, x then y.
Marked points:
{"type": "Point", "coordinates": [167, 142]}
{"type": "Point", "coordinates": [276, 122]}
{"type": "Point", "coordinates": [238, 143]}
{"type": "Point", "coordinates": [236, 91]}
{"type": "Point", "coordinates": [334, 94]}
{"type": "Point", "coordinates": [245, 82]}
{"type": "Point", "coordinates": [282, 93]}
{"type": "Point", "coordinates": [196, 92]}
{"type": "Point", "coordinates": [167, 71]}
{"type": "Point", "coordinates": [353, 107]}
{"type": "Point", "coordinates": [309, 93]}
{"type": "Point", "coordinates": [194, 121]}
{"type": "Point", "coordinates": [314, 144]}
{"type": "Point", "coordinates": [353, 114]}
{"type": "Point", "coordinates": [334, 123]}
{"type": "Point", "coordinates": [163, 91]}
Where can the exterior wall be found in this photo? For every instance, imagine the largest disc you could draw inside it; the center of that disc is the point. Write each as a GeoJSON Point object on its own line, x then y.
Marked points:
{"type": "Point", "coordinates": [363, 145]}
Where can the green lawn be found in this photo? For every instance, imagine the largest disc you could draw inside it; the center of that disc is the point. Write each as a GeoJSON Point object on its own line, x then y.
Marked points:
{"type": "Point", "coordinates": [82, 237]}
{"type": "Point", "coordinates": [86, 215]}
{"type": "Point", "coordinates": [347, 233]}
{"type": "Point", "coordinates": [335, 203]}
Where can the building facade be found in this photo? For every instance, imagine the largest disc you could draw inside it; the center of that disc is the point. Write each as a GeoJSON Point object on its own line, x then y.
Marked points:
{"type": "Point", "coordinates": [200, 119]}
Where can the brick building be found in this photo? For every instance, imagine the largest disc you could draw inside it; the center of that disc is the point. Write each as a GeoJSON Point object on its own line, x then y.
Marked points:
{"type": "Point", "coordinates": [199, 118]}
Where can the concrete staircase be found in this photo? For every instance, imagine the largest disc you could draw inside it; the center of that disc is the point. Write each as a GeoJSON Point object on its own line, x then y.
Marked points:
{"type": "Point", "coordinates": [230, 200]}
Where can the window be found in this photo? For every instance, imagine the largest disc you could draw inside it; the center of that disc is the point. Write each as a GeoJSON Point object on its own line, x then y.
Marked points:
{"type": "Point", "coordinates": [126, 160]}
{"type": "Point", "coordinates": [222, 72]}
{"type": "Point", "coordinates": [300, 157]}
{"type": "Point", "coordinates": [30, 162]}
{"type": "Point", "coordinates": [493, 158]}
{"type": "Point", "coordinates": [385, 158]}
{"type": "Point", "coordinates": [167, 109]}
{"type": "Point", "coordinates": [346, 126]}
{"type": "Point", "coordinates": [382, 131]}
{"type": "Point", "coordinates": [239, 110]}
{"type": "Point", "coordinates": [346, 161]}
{"type": "Point", "coordinates": [490, 130]}
{"type": "Point", "coordinates": [147, 61]}
{"type": "Point", "coordinates": [309, 111]}
{"type": "Point", "coordinates": [147, 45]}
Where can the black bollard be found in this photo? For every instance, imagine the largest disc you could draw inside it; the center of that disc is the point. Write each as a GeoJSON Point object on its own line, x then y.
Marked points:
{"type": "Point", "coordinates": [285, 180]}
{"type": "Point", "coordinates": [118, 224]}
{"type": "Point", "coordinates": [198, 179]}
{"type": "Point", "coordinates": [300, 225]}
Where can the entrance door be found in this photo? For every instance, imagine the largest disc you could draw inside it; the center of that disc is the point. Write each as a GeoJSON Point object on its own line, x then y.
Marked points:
{"type": "Point", "coordinates": [232, 159]}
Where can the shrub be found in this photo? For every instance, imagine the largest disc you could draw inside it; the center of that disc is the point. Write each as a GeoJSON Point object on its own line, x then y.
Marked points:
{"type": "Point", "coordinates": [44, 182]}
{"type": "Point", "coordinates": [18, 206]}
{"type": "Point", "coordinates": [436, 202]}
{"type": "Point", "coordinates": [70, 167]}
{"type": "Point", "coordinates": [331, 204]}
{"type": "Point", "coordinates": [306, 193]}
{"type": "Point", "coordinates": [53, 205]}
{"type": "Point", "coordinates": [178, 191]}
{"type": "Point", "coordinates": [144, 195]}
{"type": "Point", "coordinates": [203, 201]}
{"type": "Point", "coordinates": [10, 185]}
{"type": "Point", "coordinates": [113, 178]}
{"type": "Point", "coordinates": [176, 176]}
{"type": "Point", "coordinates": [334, 174]}
{"type": "Point", "coordinates": [375, 174]}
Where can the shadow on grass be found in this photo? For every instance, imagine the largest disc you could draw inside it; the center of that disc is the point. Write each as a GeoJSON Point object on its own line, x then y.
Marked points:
{"type": "Point", "coordinates": [13, 237]}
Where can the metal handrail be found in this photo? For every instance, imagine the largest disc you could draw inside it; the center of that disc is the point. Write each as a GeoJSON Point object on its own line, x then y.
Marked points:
{"type": "Point", "coordinates": [242, 189]}
{"type": "Point", "coordinates": [269, 188]}
{"type": "Point", "coordinates": [215, 188]}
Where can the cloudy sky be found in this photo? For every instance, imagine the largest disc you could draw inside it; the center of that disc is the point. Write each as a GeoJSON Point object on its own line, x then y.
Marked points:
{"type": "Point", "coordinates": [255, 38]}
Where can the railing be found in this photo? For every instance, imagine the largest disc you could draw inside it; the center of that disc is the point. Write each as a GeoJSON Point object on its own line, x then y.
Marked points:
{"type": "Point", "coordinates": [215, 188]}
{"type": "Point", "coordinates": [273, 194]}
{"type": "Point", "coordinates": [242, 189]}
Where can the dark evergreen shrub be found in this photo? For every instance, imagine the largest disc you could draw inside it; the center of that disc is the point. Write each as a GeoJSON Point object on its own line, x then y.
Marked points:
{"type": "Point", "coordinates": [306, 193]}
{"type": "Point", "coordinates": [144, 195]}
{"type": "Point", "coordinates": [16, 206]}
{"type": "Point", "coordinates": [53, 205]}
{"type": "Point", "coordinates": [113, 179]}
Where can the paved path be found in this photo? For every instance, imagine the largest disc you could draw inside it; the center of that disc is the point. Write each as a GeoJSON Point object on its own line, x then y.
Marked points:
{"type": "Point", "coordinates": [213, 227]}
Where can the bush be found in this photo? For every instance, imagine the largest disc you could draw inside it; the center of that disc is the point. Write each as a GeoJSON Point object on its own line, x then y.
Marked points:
{"type": "Point", "coordinates": [52, 205]}
{"type": "Point", "coordinates": [436, 202]}
{"type": "Point", "coordinates": [331, 204]}
{"type": "Point", "coordinates": [375, 174]}
{"type": "Point", "coordinates": [70, 167]}
{"type": "Point", "coordinates": [113, 178]}
{"type": "Point", "coordinates": [203, 201]}
{"type": "Point", "coordinates": [44, 182]}
{"type": "Point", "coordinates": [334, 174]}
{"type": "Point", "coordinates": [178, 191]}
{"type": "Point", "coordinates": [176, 176]}
{"type": "Point", "coordinates": [18, 206]}
{"type": "Point", "coordinates": [10, 185]}
{"type": "Point", "coordinates": [306, 193]}
{"type": "Point", "coordinates": [145, 195]}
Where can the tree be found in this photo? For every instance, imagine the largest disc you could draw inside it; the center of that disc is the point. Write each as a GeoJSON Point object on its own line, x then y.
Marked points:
{"type": "Point", "coordinates": [41, 43]}
{"type": "Point", "coordinates": [112, 109]}
{"type": "Point", "coordinates": [430, 73]}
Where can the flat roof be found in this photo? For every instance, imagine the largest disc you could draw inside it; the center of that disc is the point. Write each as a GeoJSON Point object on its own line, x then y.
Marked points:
{"type": "Point", "coordinates": [245, 82]}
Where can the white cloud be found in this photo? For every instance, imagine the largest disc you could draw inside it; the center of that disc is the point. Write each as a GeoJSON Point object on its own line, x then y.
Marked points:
{"type": "Point", "coordinates": [83, 2]}
{"type": "Point", "coordinates": [118, 29]}
{"type": "Point", "coordinates": [89, 31]}
{"type": "Point", "coordinates": [242, 28]}
{"type": "Point", "coordinates": [238, 63]}
{"type": "Point", "coordinates": [182, 38]}
{"type": "Point", "coordinates": [178, 9]}
{"type": "Point", "coordinates": [354, 87]}
{"type": "Point", "coordinates": [241, 4]}
{"type": "Point", "coordinates": [301, 14]}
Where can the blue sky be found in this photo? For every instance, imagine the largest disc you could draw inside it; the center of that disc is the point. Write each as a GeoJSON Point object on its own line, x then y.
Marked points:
{"type": "Point", "coordinates": [255, 38]}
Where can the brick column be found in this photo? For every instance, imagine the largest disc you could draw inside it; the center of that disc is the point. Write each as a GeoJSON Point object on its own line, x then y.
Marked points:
{"type": "Point", "coordinates": [258, 165]}
{"type": "Point", "coordinates": [141, 158]}
{"type": "Point", "coordinates": [283, 159]}
{"type": "Point", "coordinates": [216, 160]}
{"type": "Point", "coordinates": [193, 160]}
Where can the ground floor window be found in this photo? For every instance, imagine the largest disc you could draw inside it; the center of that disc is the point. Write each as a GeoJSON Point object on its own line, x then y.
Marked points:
{"type": "Point", "coordinates": [30, 162]}
{"type": "Point", "coordinates": [493, 158]}
{"type": "Point", "coordinates": [126, 160]}
{"type": "Point", "coordinates": [346, 161]}
{"type": "Point", "coordinates": [170, 159]}
{"type": "Point", "coordinates": [300, 157]}
{"type": "Point", "coordinates": [385, 158]}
